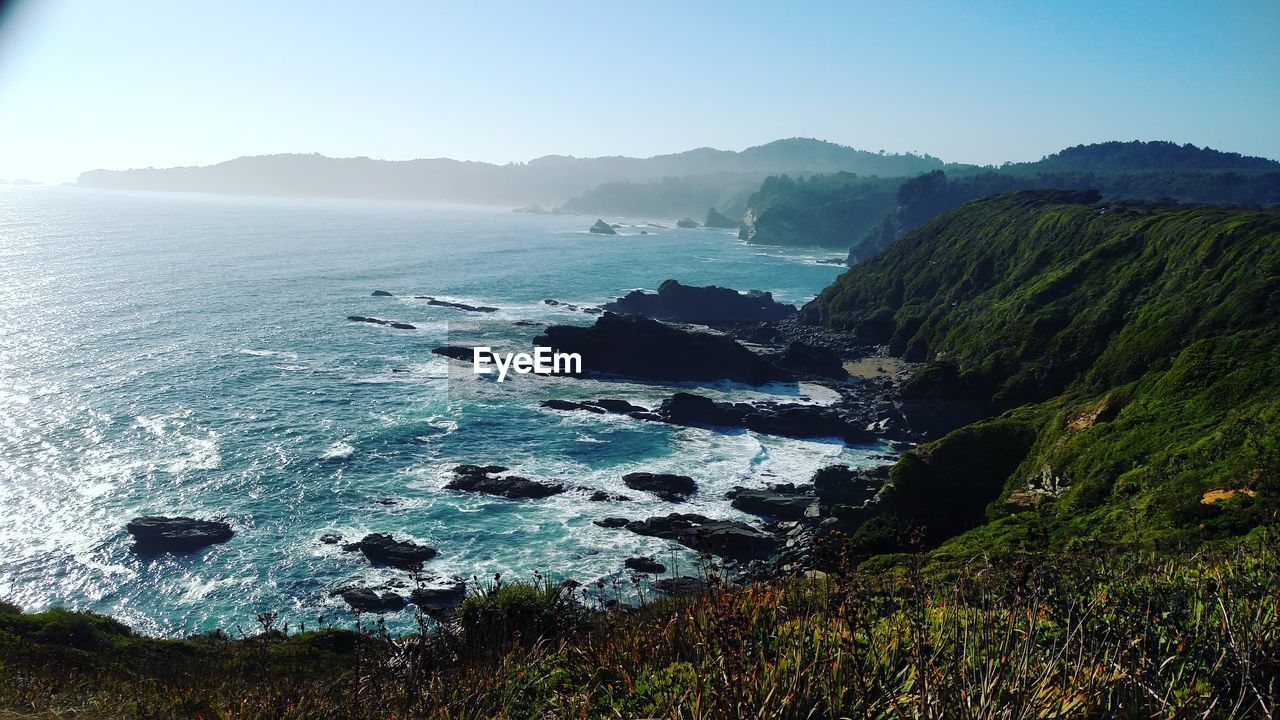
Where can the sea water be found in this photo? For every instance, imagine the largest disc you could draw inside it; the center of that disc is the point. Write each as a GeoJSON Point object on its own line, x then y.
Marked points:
{"type": "Point", "coordinates": [184, 354]}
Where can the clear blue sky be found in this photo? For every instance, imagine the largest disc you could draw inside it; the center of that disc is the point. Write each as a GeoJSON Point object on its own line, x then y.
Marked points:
{"type": "Point", "coordinates": [91, 83]}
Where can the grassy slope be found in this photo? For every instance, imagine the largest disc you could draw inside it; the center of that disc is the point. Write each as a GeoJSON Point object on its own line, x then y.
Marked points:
{"type": "Point", "coordinates": [1085, 636]}
{"type": "Point", "coordinates": [1139, 345]}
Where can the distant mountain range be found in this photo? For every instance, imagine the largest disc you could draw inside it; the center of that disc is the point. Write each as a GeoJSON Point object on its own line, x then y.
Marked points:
{"type": "Point", "coordinates": [867, 214]}
{"type": "Point", "coordinates": [547, 180]}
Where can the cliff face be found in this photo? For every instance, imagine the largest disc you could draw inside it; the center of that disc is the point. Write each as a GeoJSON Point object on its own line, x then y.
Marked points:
{"type": "Point", "coordinates": [1134, 352]}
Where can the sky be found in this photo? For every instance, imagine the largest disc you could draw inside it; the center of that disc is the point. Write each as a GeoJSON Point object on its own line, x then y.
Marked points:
{"type": "Point", "coordinates": [88, 84]}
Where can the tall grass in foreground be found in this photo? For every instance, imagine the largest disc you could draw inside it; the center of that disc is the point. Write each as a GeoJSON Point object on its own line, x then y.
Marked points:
{"type": "Point", "coordinates": [1063, 637]}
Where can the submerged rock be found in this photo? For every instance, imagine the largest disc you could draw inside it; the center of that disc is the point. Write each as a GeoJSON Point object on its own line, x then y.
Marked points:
{"type": "Point", "coordinates": [603, 405]}
{"type": "Point", "coordinates": [672, 488]}
{"type": "Point", "coordinates": [603, 228]}
{"type": "Point", "coordinates": [177, 534]}
{"type": "Point", "coordinates": [453, 352]}
{"type": "Point", "coordinates": [370, 600]}
{"type": "Point", "coordinates": [381, 293]}
{"type": "Point", "coordinates": [558, 404]}
{"type": "Point", "coordinates": [484, 479]}
{"type": "Point", "coordinates": [644, 565]}
{"type": "Point", "coordinates": [379, 321]}
{"type": "Point", "coordinates": [382, 549]}
{"type": "Point", "coordinates": [710, 304]}
{"type": "Point", "coordinates": [455, 305]}
{"type": "Point", "coordinates": [634, 346]}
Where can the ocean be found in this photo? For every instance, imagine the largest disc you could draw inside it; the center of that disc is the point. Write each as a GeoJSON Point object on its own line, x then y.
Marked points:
{"type": "Point", "coordinates": [191, 355]}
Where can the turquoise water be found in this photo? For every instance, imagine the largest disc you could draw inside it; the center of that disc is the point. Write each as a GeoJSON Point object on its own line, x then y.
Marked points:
{"type": "Point", "coordinates": [180, 354]}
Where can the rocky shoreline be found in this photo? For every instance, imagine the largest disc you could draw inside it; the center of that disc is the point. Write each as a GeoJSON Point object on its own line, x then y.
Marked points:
{"type": "Point", "coordinates": [745, 337]}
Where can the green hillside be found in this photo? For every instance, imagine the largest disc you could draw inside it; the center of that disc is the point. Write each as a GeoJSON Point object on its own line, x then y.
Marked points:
{"type": "Point", "coordinates": [1133, 352]}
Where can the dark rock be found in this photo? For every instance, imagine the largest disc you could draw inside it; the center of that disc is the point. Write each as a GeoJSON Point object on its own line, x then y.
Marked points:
{"type": "Point", "coordinates": [803, 358]}
{"type": "Point", "coordinates": [382, 549]}
{"type": "Point", "coordinates": [603, 405]}
{"type": "Point", "coordinates": [455, 353]}
{"type": "Point", "coordinates": [700, 411]}
{"type": "Point", "coordinates": [381, 293]}
{"type": "Point", "coordinates": [685, 585]}
{"type": "Point", "coordinates": [687, 223]}
{"type": "Point", "coordinates": [672, 488]}
{"type": "Point", "coordinates": [558, 404]}
{"type": "Point", "coordinates": [717, 219]}
{"type": "Point", "coordinates": [770, 503]}
{"type": "Point", "coordinates": [455, 305]}
{"type": "Point", "coordinates": [593, 310]}
{"type": "Point", "coordinates": [603, 228]}
{"type": "Point", "coordinates": [403, 326]}
{"type": "Point", "coordinates": [602, 496]}
{"type": "Point", "coordinates": [177, 534]}
{"type": "Point", "coordinates": [369, 600]}
{"type": "Point", "coordinates": [483, 479]}
{"type": "Point", "coordinates": [843, 485]}
{"type": "Point", "coordinates": [710, 304]}
{"type": "Point", "coordinates": [763, 335]}
{"type": "Point", "coordinates": [527, 323]}
{"type": "Point", "coordinates": [727, 538]}
{"type": "Point", "coordinates": [612, 522]}
{"type": "Point", "coordinates": [363, 319]}
{"type": "Point", "coordinates": [639, 347]}
{"type": "Point", "coordinates": [621, 407]}
{"type": "Point", "coordinates": [550, 302]}
{"type": "Point", "coordinates": [439, 598]}
{"type": "Point", "coordinates": [479, 469]}
{"type": "Point", "coordinates": [788, 420]}
{"type": "Point", "coordinates": [938, 399]}
{"type": "Point", "coordinates": [330, 538]}
{"type": "Point", "coordinates": [644, 565]}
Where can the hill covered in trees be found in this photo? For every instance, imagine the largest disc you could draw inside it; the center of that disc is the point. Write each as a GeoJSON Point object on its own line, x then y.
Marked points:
{"type": "Point", "coordinates": [1129, 351]}
{"type": "Point", "coordinates": [545, 180]}
{"type": "Point", "coordinates": [1137, 171]}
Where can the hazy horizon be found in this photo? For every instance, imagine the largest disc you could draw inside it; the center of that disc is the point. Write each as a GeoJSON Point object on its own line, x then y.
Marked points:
{"type": "Point", "coordinates": [84, 87]}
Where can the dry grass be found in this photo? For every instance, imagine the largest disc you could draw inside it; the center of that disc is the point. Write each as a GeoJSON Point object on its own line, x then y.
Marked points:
{"type": "Point", "coordinates": [1078, 637]}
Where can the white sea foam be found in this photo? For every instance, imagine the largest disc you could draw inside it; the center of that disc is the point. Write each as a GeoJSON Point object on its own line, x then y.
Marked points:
{"type": "Point", "coordinates": [338, 451]}
{"type": "Point", "coordinates": [288, 355]}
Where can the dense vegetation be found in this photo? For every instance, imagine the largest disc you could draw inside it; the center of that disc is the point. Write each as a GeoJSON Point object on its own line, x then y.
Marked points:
{"type": "Point", "coordinates": [687, 196]}
{"type": "Point", "coordinates": [1160, 172]}
{"type": "Point", "coordinates": [1132, 349]}
{"type": "Point", "coordinates": [833, 210]}
{"type": "Point", "coordinates": [1085, 636]}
